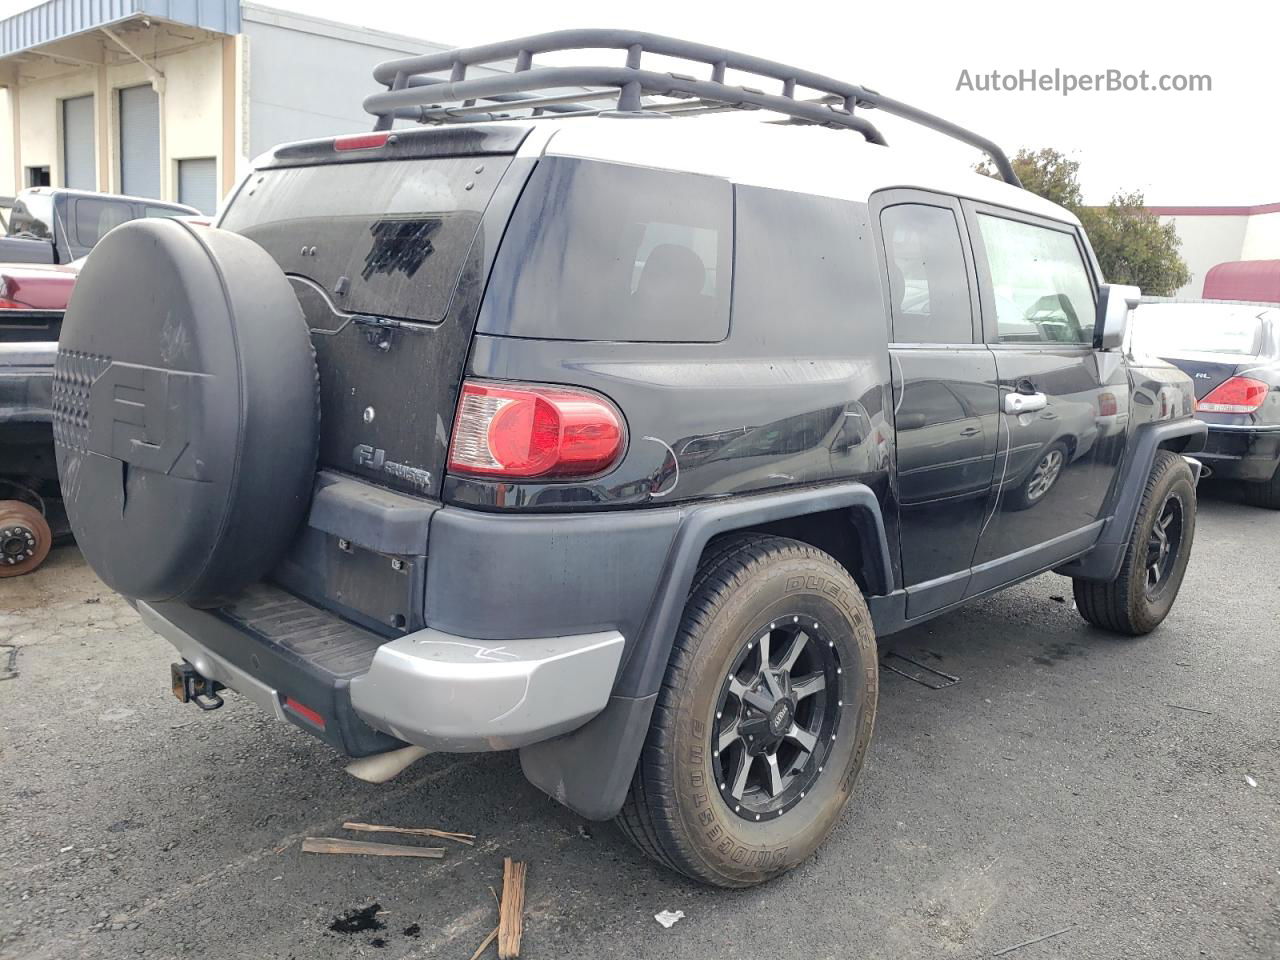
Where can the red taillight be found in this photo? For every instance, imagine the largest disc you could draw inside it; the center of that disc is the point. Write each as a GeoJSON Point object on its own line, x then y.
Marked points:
{"type": "Point", "coordinates": [526, 432]}
{"type": "Point", "coordinates": [7, 304]}
{"type": "Point", "coordinates": [360, 141]}
{"type": "Point", "coordinates": [1107, 406]}
{"type": "Point", "coordinates": [1237, 395]}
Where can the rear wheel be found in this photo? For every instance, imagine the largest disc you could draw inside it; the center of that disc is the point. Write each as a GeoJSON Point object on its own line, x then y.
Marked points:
{"type": "Point", "coordinates": [1155, 560]}
{"type": "Point", "coordinates": [25, 538]}
{"type": "Point", "coordinates": [764, 717]}
{"type": "Point", "coordinates": [1264, 494]}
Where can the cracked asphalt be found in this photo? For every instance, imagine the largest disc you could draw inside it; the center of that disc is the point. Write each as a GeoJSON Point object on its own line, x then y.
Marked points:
{"type": "Point", "coordinates": [1071, 781]}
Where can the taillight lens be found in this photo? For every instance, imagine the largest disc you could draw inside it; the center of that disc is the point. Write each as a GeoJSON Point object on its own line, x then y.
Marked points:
{"type": "Point", "coordinates": [1237, 395]}
{"type": "Point", "coordinates": [525, 432]}
{"type": "Point", "coordinates": [1107, 406]}
{"type": "Point", "coordinates": [7, 304]}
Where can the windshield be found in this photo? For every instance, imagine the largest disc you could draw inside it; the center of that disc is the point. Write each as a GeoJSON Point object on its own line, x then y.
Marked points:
{"type": "Point", "coordinates": [32, 216]}
{"type": "Point", "coordinates": [1177, 328]}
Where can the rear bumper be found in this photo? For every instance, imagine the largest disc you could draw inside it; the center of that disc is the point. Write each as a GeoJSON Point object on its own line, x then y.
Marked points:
{"type": "Point", "coordinates": [429, 688]}
{"type": "Point", "coordinates": [450, 693]}
{"type": "Point", "coordinates": [1241, 453]}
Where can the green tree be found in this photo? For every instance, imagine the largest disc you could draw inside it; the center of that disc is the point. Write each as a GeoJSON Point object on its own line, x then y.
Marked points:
{"type": "Point", "coordinates": [1131, 244]}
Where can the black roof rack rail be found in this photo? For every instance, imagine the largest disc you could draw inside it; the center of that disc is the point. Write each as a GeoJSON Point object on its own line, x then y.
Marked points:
{"type": "Point", "coordinates": [414, 94]}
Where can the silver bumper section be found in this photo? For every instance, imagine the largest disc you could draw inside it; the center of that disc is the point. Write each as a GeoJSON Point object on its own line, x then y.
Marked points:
{"type": "Point", "coordinates": [451, 693]}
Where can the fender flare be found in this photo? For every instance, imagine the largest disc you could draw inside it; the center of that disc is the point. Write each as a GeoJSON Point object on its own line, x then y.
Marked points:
{"type": "Point", "coordinates": [589, 769]}
{"type": "Point", "coordinates": [1103, 562]}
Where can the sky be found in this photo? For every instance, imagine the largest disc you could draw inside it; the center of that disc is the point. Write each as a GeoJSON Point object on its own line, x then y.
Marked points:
{"type": "Point", "coordinates": [1214, 147]}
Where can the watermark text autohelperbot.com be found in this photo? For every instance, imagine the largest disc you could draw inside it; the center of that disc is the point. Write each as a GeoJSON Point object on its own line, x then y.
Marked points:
{"type": "Point", "coordinates": [1065, 82]}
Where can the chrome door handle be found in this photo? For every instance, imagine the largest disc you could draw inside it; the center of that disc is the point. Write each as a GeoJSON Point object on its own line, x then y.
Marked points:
{"type": "Point", "coordinates": [1024, 402]}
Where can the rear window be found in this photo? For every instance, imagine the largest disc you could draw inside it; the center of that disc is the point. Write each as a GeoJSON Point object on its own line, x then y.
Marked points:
{"type": "Point", "coordinates": [386, 238]}
{"type": "Point", "coordinates": [1178, 328]}
{"type": "Point", "coordinates": [601, 251]}
{"type": "Point", "coordinates": [95, 217]}
{"type": "Point", "coordinates": [32, 216]}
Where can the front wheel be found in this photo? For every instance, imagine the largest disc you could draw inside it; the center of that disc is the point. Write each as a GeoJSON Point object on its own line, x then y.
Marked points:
{"type": "Point", "coordinates": [764, 717]}
{"type": "Point", "coordinates": [1155, 560]}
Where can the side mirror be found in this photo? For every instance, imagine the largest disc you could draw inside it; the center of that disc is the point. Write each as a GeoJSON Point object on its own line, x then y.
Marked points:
{"type": "Point", "coordinates": [911, 421]}
{"type": "Point", "coordinates": [1115, 301]}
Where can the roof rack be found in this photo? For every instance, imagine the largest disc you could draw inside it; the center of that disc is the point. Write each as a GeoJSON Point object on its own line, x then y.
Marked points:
{"type": "Point", "coordinates": [414, 94]}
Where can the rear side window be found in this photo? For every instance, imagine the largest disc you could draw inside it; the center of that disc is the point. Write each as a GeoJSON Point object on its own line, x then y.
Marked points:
{"type": "Point", "coordinates": [95, 217]}
{"type": "Point", "coordinates": [601, 251]}
{"type": "Point", "coordinates": [928, 280]}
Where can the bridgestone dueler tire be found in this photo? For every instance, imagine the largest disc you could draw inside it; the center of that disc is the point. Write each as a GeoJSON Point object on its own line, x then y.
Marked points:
{"type": "Point", "coordinates": [1265, 493]}
{"type": "Point", "coordinates": [675, 812]}
{"type": "Point", "coordinates": [185, 412]}
{"type": "Point", "coordinates": [1123, 605]}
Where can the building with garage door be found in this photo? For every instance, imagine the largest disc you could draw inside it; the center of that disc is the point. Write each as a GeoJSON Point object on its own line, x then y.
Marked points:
{"type": "Point", "coordinates": [171, 98]}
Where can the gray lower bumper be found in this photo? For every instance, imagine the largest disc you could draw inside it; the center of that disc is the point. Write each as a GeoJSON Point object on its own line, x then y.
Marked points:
{"type": "Point", "coordinates": [450, 693]}
{"type": "Point", "coordinates": [442, 691]}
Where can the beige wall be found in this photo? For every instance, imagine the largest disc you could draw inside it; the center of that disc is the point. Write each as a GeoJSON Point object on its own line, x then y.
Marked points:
{"type": "Point", "coordinates": [191, 105]}
{"type": "Point", "coordinates": [1207, 241]}
{"type": "Point", "coordinates": [1262, 238]}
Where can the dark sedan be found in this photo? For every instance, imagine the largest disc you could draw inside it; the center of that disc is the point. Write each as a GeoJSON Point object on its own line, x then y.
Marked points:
{"type": "Point", "coordinates": [1231, 351]}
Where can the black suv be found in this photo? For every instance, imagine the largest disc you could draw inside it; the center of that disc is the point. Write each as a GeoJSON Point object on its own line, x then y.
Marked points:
{"type": "Point", "coordinates": [610, 438]}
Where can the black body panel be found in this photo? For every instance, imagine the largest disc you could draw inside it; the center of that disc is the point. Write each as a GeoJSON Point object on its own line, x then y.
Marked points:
{"type": "Point", "coordinates": [390, 292]}
{"type": "Point", "coordinates": [300, 651]}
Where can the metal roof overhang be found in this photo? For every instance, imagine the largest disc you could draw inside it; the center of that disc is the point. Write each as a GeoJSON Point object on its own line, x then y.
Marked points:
{"type": "Point", "coordinates": [72, 32]}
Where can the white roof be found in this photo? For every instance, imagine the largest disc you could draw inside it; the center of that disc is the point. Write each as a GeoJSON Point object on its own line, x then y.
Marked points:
{"type": "Point", "coordinates": [815, 160]}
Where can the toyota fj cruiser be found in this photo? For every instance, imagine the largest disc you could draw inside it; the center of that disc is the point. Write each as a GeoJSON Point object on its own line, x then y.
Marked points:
{"type": "Point", "coordinates": [612, 438]}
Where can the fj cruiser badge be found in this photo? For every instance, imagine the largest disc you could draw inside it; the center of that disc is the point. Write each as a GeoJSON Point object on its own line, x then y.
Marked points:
{"type": "Point", "coordinates": [375, 458]}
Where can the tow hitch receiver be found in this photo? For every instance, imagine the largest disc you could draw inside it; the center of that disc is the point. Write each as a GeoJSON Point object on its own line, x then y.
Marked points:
{"type": "Point", "coordinates": [190, 687]}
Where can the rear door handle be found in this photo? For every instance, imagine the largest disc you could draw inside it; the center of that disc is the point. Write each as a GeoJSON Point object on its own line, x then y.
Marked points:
{"type": "Point", "coordinates": [1015, 403]}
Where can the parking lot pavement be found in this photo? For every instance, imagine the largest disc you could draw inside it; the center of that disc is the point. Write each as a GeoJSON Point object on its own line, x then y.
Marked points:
{"type": "Point", "coordinates": [1070, 780]}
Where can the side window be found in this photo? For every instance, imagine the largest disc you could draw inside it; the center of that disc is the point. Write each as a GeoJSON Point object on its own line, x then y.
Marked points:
{"type": "Point", "coordinates": [602, 251]}
{"type": "Point", "coordinates": [1042, 291]}
{"type": "Point", "coordinates": [95, 217]}
{"type": "Point", "coordinates": [928, 281]}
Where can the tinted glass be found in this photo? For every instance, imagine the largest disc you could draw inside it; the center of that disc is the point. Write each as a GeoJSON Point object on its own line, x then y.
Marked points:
{"type": "Point", "coordinates": [392, 236]}
{"type": "Point", "coordinates": [928, 281]}
{"type": "Point", "coordinates": [600, 251]}
{"type": "Point", "coordinates": [32, 216]}
{"type": "Point", "coordinates": [93, 218]}
{"type": "Point", "coordinates": [1041, 287]}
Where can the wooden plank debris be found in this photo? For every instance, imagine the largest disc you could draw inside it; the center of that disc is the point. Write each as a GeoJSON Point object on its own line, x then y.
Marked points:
{"type": "Point", "coordinates": [468, 838]}
{"type": "Point", "coordinates": [336, 845]}
{"type": "Point", "coordinates": [511, 912]}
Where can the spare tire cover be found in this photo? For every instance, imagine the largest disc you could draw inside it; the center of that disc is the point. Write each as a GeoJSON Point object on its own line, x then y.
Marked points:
{"type": "Point", "coordinates": [185, 412]}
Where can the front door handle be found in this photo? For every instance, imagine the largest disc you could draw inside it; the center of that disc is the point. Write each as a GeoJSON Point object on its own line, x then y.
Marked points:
{"type": "Point", "coordinates": [1015, 403]}
{"type": "Point", "coordinates": [970, 431]}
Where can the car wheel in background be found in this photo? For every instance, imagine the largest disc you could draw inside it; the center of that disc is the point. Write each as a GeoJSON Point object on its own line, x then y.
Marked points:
{"type": "Point", "coordinates": [1155, 559]}
{"type": "Point", "coordinates": [764, 717]}
{"type": "Point", "coordinates": [25, 538]}
{"type": "Point", "coordinates": [1043, 476]}
{"type": "Point", "coordinates": [1264, 494]}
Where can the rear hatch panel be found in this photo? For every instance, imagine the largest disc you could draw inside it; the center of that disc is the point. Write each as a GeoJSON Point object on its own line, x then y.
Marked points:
{"type": "Point", "coordinates": [389, 258]}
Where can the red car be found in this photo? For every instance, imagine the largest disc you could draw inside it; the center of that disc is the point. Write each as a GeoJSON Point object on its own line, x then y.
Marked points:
{"type": "Point", "coordinates": [36, 286]}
